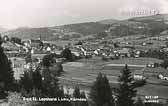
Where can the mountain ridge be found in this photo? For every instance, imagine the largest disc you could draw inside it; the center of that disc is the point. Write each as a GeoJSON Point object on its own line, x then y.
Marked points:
{"type": "Point", "coordinates": [85, 28]}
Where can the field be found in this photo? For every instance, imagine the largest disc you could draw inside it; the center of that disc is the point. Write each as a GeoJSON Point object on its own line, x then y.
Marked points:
{"type": "Point", "coordinates": [60, 43]}
{"type": "Point", "coordinates": [84, 72]}
{"type": "Point", "coordinates": [137, 43]}
{"type": "Point", "coordinates": [89, 68]}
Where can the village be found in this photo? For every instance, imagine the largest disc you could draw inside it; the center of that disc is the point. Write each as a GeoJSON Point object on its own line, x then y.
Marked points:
{"type": "Point", "coordinates": [91, 57]}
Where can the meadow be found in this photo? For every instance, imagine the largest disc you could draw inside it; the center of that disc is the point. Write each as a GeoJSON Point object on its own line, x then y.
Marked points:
{"type": "Point", "coordinates": [84, 72]}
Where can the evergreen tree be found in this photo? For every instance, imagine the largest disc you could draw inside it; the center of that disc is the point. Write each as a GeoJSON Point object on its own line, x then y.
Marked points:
{"type": "Point", "coordinates": [83, 103]}
{"type": "Point", "coordinates": [31, 82]}
{"type": "Point", "coordinates": [28, 58]}
{"type": "Point", "coordinates": [139, 102]}
{"type": "Point", "coordinates": [37, 78]}
{"type": "Point", "coordinates": [66, 53]}
{"type": "Point", "coordinates": [6, 72]}
{"type": "Point", "coordinates": [26, 83]}
{"type": "Point", "coordinates": [126, 90]}
{"type": "Point", "coordinates": [50, 86]}
{"type": "Point", "coordinates": [101, 93]}
{"type": "Point", "coordinates": [164, 64]}
{"type": "Point", "coordinates": [76, 93]}
{"type": "Point", "coordinates": [82, 95]}
{"type": "Point", "coordinates": [48, 60]}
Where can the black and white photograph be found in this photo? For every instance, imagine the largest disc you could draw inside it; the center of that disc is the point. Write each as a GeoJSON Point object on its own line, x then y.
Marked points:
{"type": "Point", "coordinates": [83, 52]}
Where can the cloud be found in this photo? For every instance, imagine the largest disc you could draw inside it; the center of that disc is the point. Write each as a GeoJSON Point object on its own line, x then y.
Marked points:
{"type": "Point", "coordinates": [36, 13]}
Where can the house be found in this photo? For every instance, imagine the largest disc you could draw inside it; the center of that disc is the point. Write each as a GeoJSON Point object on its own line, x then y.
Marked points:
{"type": "Point", "coordinates": [125, 52]}
{"type": "Point", "coordinates": [10, 46]}
{"type": "Point", "coordinates": [35, 43]}
{"type": "Point", "coordinates": [60, 60]}
{"type": "Point", "coordinates": [48, 49]}
{"type": "Point", "coordinates": [26, 43]}
{"type": "Point", "coordinates": [77, 54]}
{"type": "Point", "coordinates": [138, 75]}
{"type": "Point", "coordinates": [18, 67]}
{"type": "Point", "coordinates": [58, 52]}
{"type": "Point", "coordinates": [163, 76]}
{"type": "Point", "coordinates": [137, 54]}
{"type": "Point", "coordinates": [152, 65]}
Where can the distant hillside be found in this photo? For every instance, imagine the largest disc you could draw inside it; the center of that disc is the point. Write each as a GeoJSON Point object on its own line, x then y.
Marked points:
{"type": "Point", "coordinates": [157, 17]}
{"type": "Point", "coordinates": [53, 33]}
{"type": "Point", "coordinates": [147, 25]}
{"type": "Point", "coordinates": [108, 21]}
{"type": "Point", "coordinates": [85, 28]}
{"type": "Point", "coordinates": [27, 33]}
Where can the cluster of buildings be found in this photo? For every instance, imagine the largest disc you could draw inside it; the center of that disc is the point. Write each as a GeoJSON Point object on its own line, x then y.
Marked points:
{"type": "Point", "coordinates": [18, 52]}
{"type": "Point", "coordinates": [108, 51]}
{"type": "Point", "coordinates": [38, 48]}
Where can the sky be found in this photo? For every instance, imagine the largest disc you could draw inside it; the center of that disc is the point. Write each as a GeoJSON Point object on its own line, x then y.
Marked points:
{"type": "Point", "coordinates": [46, 13]}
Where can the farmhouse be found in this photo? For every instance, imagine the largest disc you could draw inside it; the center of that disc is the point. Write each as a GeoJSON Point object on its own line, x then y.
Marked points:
{"type": "Point", "coordinates": [138, 75]}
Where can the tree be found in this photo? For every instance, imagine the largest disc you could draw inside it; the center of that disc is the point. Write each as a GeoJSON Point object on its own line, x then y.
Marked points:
{"type": "Point", "coordinates": [6, 72]}
{"type": "Point", "coordinates": [26, 83]}
{"type": "Point", "coordinates": [166, 44]}
{"type": "Point", "coordinates": [101, 93]}
{"type": "Point", "coordinates": [31, 82]}
{"type": "Point", "coordinates": [139, 102]}
{"type": "Point", "coordinates": [84, 103]}
{"type": "Point", "coordinates": [66, 53]}
{"type": "Point", "coordinates": [50, 85]}
{"type": "Point", "coordinates": [126, 90]}
{"type": "Point", "coordinates": [164, 64]}
{"type": "Point", "coordinates": [116, 45]}
{"type": "Point", "coordinates": [37, 78]}
{"type": "Point", "coordinates": [48, 60]}
{"type": "Point", "coordinates": [49, 63]}
{"type": "Point", "coordinates": [76, 92]}
{"type": "Point", "coordinates": [28, 58]}
{"type": "Point", "coordinates": [16, 40]}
